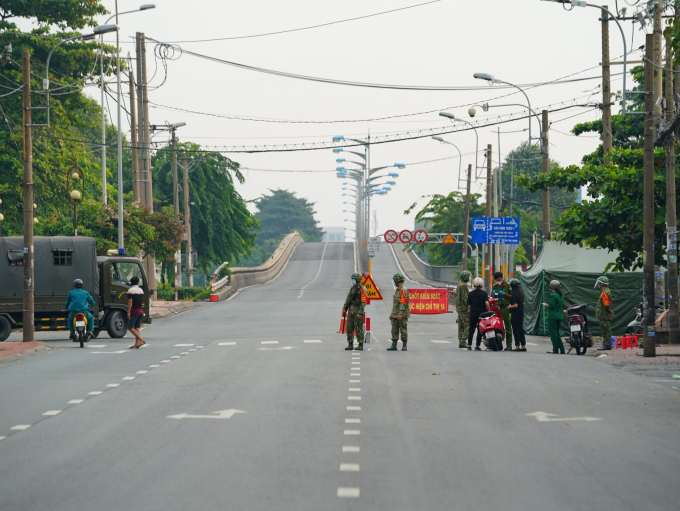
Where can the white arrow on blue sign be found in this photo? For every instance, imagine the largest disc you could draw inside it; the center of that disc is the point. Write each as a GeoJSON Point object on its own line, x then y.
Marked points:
{"type": "Point", "coordinates": [495, 230]}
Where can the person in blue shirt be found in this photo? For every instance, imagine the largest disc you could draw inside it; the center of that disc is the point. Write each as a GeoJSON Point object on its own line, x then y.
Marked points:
{"type": "Point", "coordinates": [78, 300]}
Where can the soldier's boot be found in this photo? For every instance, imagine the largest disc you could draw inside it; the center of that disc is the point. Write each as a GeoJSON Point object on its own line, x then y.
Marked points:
{"type": "Point", "coordinates": [350, 346]}
{"type": "Point", "coordinates": [462, 344]}
{"type": "Point", "coordinates": [360, 347]}
{"type": "Point", "coordinates": [393, 347]}
{"type": "Point", "coordinates": [403, 348]}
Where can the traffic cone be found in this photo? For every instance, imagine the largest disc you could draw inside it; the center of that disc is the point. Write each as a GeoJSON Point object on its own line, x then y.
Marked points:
{"type": "Point", "coordinates": [343, 325]}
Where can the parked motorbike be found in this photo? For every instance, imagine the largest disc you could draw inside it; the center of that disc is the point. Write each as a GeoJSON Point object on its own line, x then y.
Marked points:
{"type": "Point", "coordinates": [80, 335]}
{"type": "Point", "coordinates": [635, 326]}
{"type": "Point", "coordinates": [580, 338]}
{"type": "Point", "coordinates": [492, 327]}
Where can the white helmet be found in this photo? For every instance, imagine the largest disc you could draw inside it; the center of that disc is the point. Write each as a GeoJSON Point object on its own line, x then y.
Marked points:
{"type": "Point", "coordinates": [478, 282]}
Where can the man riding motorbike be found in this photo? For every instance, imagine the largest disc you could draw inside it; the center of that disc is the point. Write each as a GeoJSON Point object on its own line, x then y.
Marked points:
{"type": "Point", "coordinates": [77, 301]}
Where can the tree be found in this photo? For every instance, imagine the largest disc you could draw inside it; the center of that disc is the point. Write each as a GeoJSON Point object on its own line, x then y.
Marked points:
{"type": "Point", "coordinates": [222, 228]}
{"type": "Point", "coordinates": [282, 213]}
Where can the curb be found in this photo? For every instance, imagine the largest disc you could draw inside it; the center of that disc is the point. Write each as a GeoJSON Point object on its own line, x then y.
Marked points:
{"type": "Point", "coordinates": [175, 309]}
{"type": "Point", "coordinates": [32, 351]}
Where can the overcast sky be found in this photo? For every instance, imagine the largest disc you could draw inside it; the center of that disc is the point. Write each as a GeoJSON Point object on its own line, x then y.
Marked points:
{"type": "Point", "coordinates": [442, 43]}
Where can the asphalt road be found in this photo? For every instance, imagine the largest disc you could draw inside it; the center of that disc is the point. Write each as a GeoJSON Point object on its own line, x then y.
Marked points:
{"type": "Point", "coordinates": [288, 424]}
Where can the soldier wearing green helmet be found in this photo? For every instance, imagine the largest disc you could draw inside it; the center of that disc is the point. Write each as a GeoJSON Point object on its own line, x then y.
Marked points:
{"type": "Point", "coordinates": [604, 312]}
{"type": "Point", "coordinates": [463, 320]}
{"type": "Point", "coordinates": [354, 308]}
{"type": "Point", "coordinates": [401, 311]}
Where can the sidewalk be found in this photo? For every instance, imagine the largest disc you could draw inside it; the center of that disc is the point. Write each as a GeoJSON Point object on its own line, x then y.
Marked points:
{"type": "Point", "coordinates": [11, 351]}
{"type": "Point", "coordinates": [161, 308]}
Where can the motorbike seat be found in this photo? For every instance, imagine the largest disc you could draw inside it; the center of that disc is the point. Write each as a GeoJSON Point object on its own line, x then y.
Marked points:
{"type": "Point", "coordinates": [485, 315]}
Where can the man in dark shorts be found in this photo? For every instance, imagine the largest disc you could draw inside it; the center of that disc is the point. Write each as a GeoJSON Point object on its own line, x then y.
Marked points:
{"type": "Point", "coordinates": [135, 312]}
{"type": "Point", "coordinates": [478, 302]}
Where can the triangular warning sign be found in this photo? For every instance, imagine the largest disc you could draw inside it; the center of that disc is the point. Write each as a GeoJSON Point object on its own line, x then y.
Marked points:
{"type": "Point", "coordinates": [448, 239]}
{"type": "Point", "coordinates": [372, 292]}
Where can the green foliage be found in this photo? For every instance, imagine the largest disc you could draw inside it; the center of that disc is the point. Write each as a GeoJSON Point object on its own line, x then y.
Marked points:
{"type": "Point", "coordinates": [166, 291]}
{"type": "Point", "coordinates": [225, 271]}
{"type": "Point", "coordinates": [612, 219]}
{"type": "Point", "coordinates": [520, 256]}
{"type": "Point", "coordinates": [62, 13]}
{"type": "Point", "coordinates": [222, 228]}
{"type": "Point", "coordinates": [282, 213]}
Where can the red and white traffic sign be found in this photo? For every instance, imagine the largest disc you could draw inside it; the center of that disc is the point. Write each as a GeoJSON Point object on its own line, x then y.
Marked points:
{"type": "Point", "coordinates": [405, 236]}
{"type": "Point", "coordinates": [420, 236]}
{"type": "Point", "coordinates": [391, 236]}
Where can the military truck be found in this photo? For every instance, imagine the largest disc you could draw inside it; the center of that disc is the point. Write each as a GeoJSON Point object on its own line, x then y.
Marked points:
{"type": "Point", "coordinates": [58, 262]}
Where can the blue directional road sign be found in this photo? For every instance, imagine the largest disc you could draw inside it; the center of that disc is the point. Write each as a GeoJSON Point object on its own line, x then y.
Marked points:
{"type": "Point", "coordinates": [495, 230]}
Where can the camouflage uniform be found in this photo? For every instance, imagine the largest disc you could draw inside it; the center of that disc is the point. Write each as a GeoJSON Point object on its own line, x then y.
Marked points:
{"type": "Point", "coordinates": [400, 325]}
{"type": "Point", "coordinates": [463, 320]}
{"type": "Point", "coordinates": [355, 304]}
{"type": "Point", "coordinates": [602, 313]}
{"type": "Point", "coordinates": [502, 303]}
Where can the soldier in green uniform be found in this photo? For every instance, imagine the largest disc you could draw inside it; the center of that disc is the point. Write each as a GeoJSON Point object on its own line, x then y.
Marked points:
{"type": "Point", "coordinates": [502, 292]}
{"type": "Point", "coordinates": [463, 320]}
{"type": "Point", "coordinates": [401, 311]}
{"type": "Point", "coordinates": [354, 307]}
{"type": "Point", "coordinates": [604, 312]}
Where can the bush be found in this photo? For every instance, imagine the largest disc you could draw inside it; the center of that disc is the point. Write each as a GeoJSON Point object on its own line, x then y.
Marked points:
{"type": "Point", "coordinates": [167, 292]}
{"type": "Point", "coordinates": [225, 271]}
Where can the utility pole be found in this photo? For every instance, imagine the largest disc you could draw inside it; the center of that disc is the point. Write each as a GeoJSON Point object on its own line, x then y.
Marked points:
{"type": "Point", "coordinates": [607, 138]}
{"type": "Point", "coordinates": [29, 212]}
{"type": "Point", "coordinates": [671, 214]}
{"type": "Point", "coordinates": [133, 138]}
{"type": "Point", "coordinates": [658, 60]}
{"type": "Point", "coordinates": [488, 277]}
{"type": "Point", "coordinates": [497, 264]}
{"type": "Point", "coordinates": [175, 188]}
{"type": "Point", "coordinates": [466, 229]}
{"type": "Point", "coordinates": [649, 316]}
{"type": "Point", "coordinates": [545, 154]}
{"type": "Point", "coordinates": [141, 152]}
{"type": "Point", "coordinates": [187, 221]}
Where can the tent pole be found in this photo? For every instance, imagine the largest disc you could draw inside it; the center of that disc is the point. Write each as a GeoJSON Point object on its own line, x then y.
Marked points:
{"type": "Point", "coordinates": [543, 285]}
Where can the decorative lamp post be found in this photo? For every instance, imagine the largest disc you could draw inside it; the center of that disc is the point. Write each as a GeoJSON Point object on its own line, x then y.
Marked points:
{"type": "Point", "coordinates": [75, 178]}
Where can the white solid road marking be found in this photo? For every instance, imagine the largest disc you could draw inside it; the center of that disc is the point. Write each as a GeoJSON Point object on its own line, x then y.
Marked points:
{"type": "Point", "coordinates": [349, 492]}
{"type": "Point", "coordinates": [354, 398]}
{"type": "Point", "coordinates": [226, 344]}
{"type": "Point", "coordinates": [232, 296]}
{"type": "Point", "coordinates": [269, 342]}
{"type": "Point", "coordinates": [302, 291]}
{"type": "Point", "coordinates": [352, 432]}
{"type": "Point", "coordinates": [354, 408]}
{"type": "Point", "coordinates": [142, 372]}
{"type": "Point", "coordinates": [223, 414]}
{"type": "Point", "coordinates": [154, 365]}
{"type": "Point", "coordinates": [547, 417]}
{"type": "Point", "coordinates": [75, 401]}
{"type": "Point", "coordinates": [350, 448]}
{"type": "Point", "coordinates": [112, 385]}
{"type": "Point", "coordinates": [352, 421]}
{"type": "Point", "coordinates": [165, 361]}
{"type": "Point", "coordinates": [354, 390]}
{"type": "Point", "coordinates": [308, 342]}
{"type": "Point", "coordinates": [441, 342]}
{"type": "Point", "coordinates": [21, 427]}
{"type": "Point", "coordinates": [349, 467]}
{"type": "Point", "coordinates": [128, 378]}
{"type": "Point", "coordinates": [94, 393]}
{"type": "Point", "coordinates": [52, 412]}
{"type": "Point", "coordinates": [183, 344]}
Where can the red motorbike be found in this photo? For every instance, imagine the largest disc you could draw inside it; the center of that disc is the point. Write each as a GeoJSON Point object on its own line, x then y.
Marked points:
{"type": "Point", "coordinates": [492, 327]}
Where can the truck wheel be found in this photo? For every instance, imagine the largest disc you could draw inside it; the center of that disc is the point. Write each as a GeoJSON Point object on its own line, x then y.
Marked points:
{"type": "Point", "coordinates": [5, 328]}
{"type": "Point", "coordinates": [116, 325]}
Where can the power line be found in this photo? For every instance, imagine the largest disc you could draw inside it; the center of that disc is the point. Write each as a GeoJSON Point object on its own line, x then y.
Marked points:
{"type": "Point", "coordinates": [308, 28]}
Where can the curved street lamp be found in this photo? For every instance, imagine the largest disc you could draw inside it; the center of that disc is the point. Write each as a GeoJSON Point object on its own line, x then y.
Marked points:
{"type": "Point", "coordinates": [75, 177]}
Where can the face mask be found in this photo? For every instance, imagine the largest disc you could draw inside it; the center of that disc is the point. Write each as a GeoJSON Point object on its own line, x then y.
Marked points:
{"type": "Point", "coordinates": [354, 282]}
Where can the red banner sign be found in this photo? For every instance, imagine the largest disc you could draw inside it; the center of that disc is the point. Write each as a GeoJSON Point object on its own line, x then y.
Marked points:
{"type": "Point", "coordinates": [429, 301]}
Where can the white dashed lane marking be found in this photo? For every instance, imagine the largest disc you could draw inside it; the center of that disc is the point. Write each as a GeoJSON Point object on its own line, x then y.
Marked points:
{"type": "Point", "coordinates": [94, 393]}
{"type": "Point", "coordinates": [128, 378]}
{"type": "Point", "coordinates": [142, 372]}
{"type": "Point", "coordinates": [354, 374]}
{"type": "Point", "coordinates": [183, 344]}
{"type": "Point", "coordinates": [349, 492]}
{"type": "Point", "coordinates": [2, 437]}
{"type": "Point", "coordinates": [226, 344]}
{"type": "Point", "coordinates": [354, 408]}
{"type": "Point", "coordinates": [355, 381]}
{"type": "Point", "coordinates": [165, 361]}
{"type": "Point", "coordinates": [350, 448]}
{"type": "Point", "coordinates": [52, 412]}
{"type": "Point", "coordinates": [310, 342]}
{"type": "Point", "coordinates": [174, 356]}
{"type": "Point", "coordinates": [354, 398]}
{"type": "Point", "coordinates": [349, 467]}
{"type": "Point", "coordinates": [269, 342]}
{"type": "Point", "coordinates": [112, 385]}
{"type": "Point", "coordinates": [441, 342]}
{"type": "Point", "coordinates": [350, 432]}
{"type": "Point", "coordinates": [75, 401]}
{"type": "Point", "coordinates": [354, 390]}
{"type": "Point", "coordinates": [154, 365]}
{"type": "Point", "coordinates": [20, 427]}
{"type": "Point", "coordinates": [352, 421]}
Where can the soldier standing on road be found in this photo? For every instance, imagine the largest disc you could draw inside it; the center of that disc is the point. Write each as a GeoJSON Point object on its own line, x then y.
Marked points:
{"type": "Point", "coordinates": [604, 312]}
{"type": "Point", "coordinates": [401, 311]}
{"type": "Point", "coordinates": [463, 320]}
{"type": "Point", "coordinates": [354, 308]}
{"type": "Point", "coordinates": [554, 314]}
{"type": "Point", "coordinates": [501, 290]}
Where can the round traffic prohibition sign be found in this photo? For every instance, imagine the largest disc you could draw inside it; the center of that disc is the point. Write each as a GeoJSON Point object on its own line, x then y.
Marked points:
{"type": "Point", "coordinates": [405, 236]}
{"type": "Point", "coordinates": [391, 236]}
{"type": "Point", "coordinates": [420, 236]}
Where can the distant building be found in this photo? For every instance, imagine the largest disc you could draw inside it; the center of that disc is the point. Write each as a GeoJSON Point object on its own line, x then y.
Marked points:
{"type": "Point", "coordinates": [333, 234]}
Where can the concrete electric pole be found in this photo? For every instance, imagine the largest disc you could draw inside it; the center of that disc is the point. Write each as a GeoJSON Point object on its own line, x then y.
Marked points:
{"type": "Point", "coordinates": [466, 229]}
{"type": "Point", "coordinates": [649, 317]}
{"type": "Point", "coordinates": [133, 138]}
{"type": "Point", "coordinates": [545, 154]}
{"type": "Point", "coordinates": [607, 138]}
{"type": "Point", "coordinates": [29, 211]}
{"type": "Point", "coordinates": [187, 221]}
{"type": "Point", "coordinates": [486, 271]}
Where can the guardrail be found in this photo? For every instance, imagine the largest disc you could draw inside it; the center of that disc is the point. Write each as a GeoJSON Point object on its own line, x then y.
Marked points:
{"type": "Point", "coordinates": [438, 273]}
{"type": "Point", "coordinates": [269, 270]}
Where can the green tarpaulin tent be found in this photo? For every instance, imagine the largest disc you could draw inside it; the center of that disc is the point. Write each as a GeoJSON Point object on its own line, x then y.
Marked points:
{"type": "Point", "coordinates": [577, 269]}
